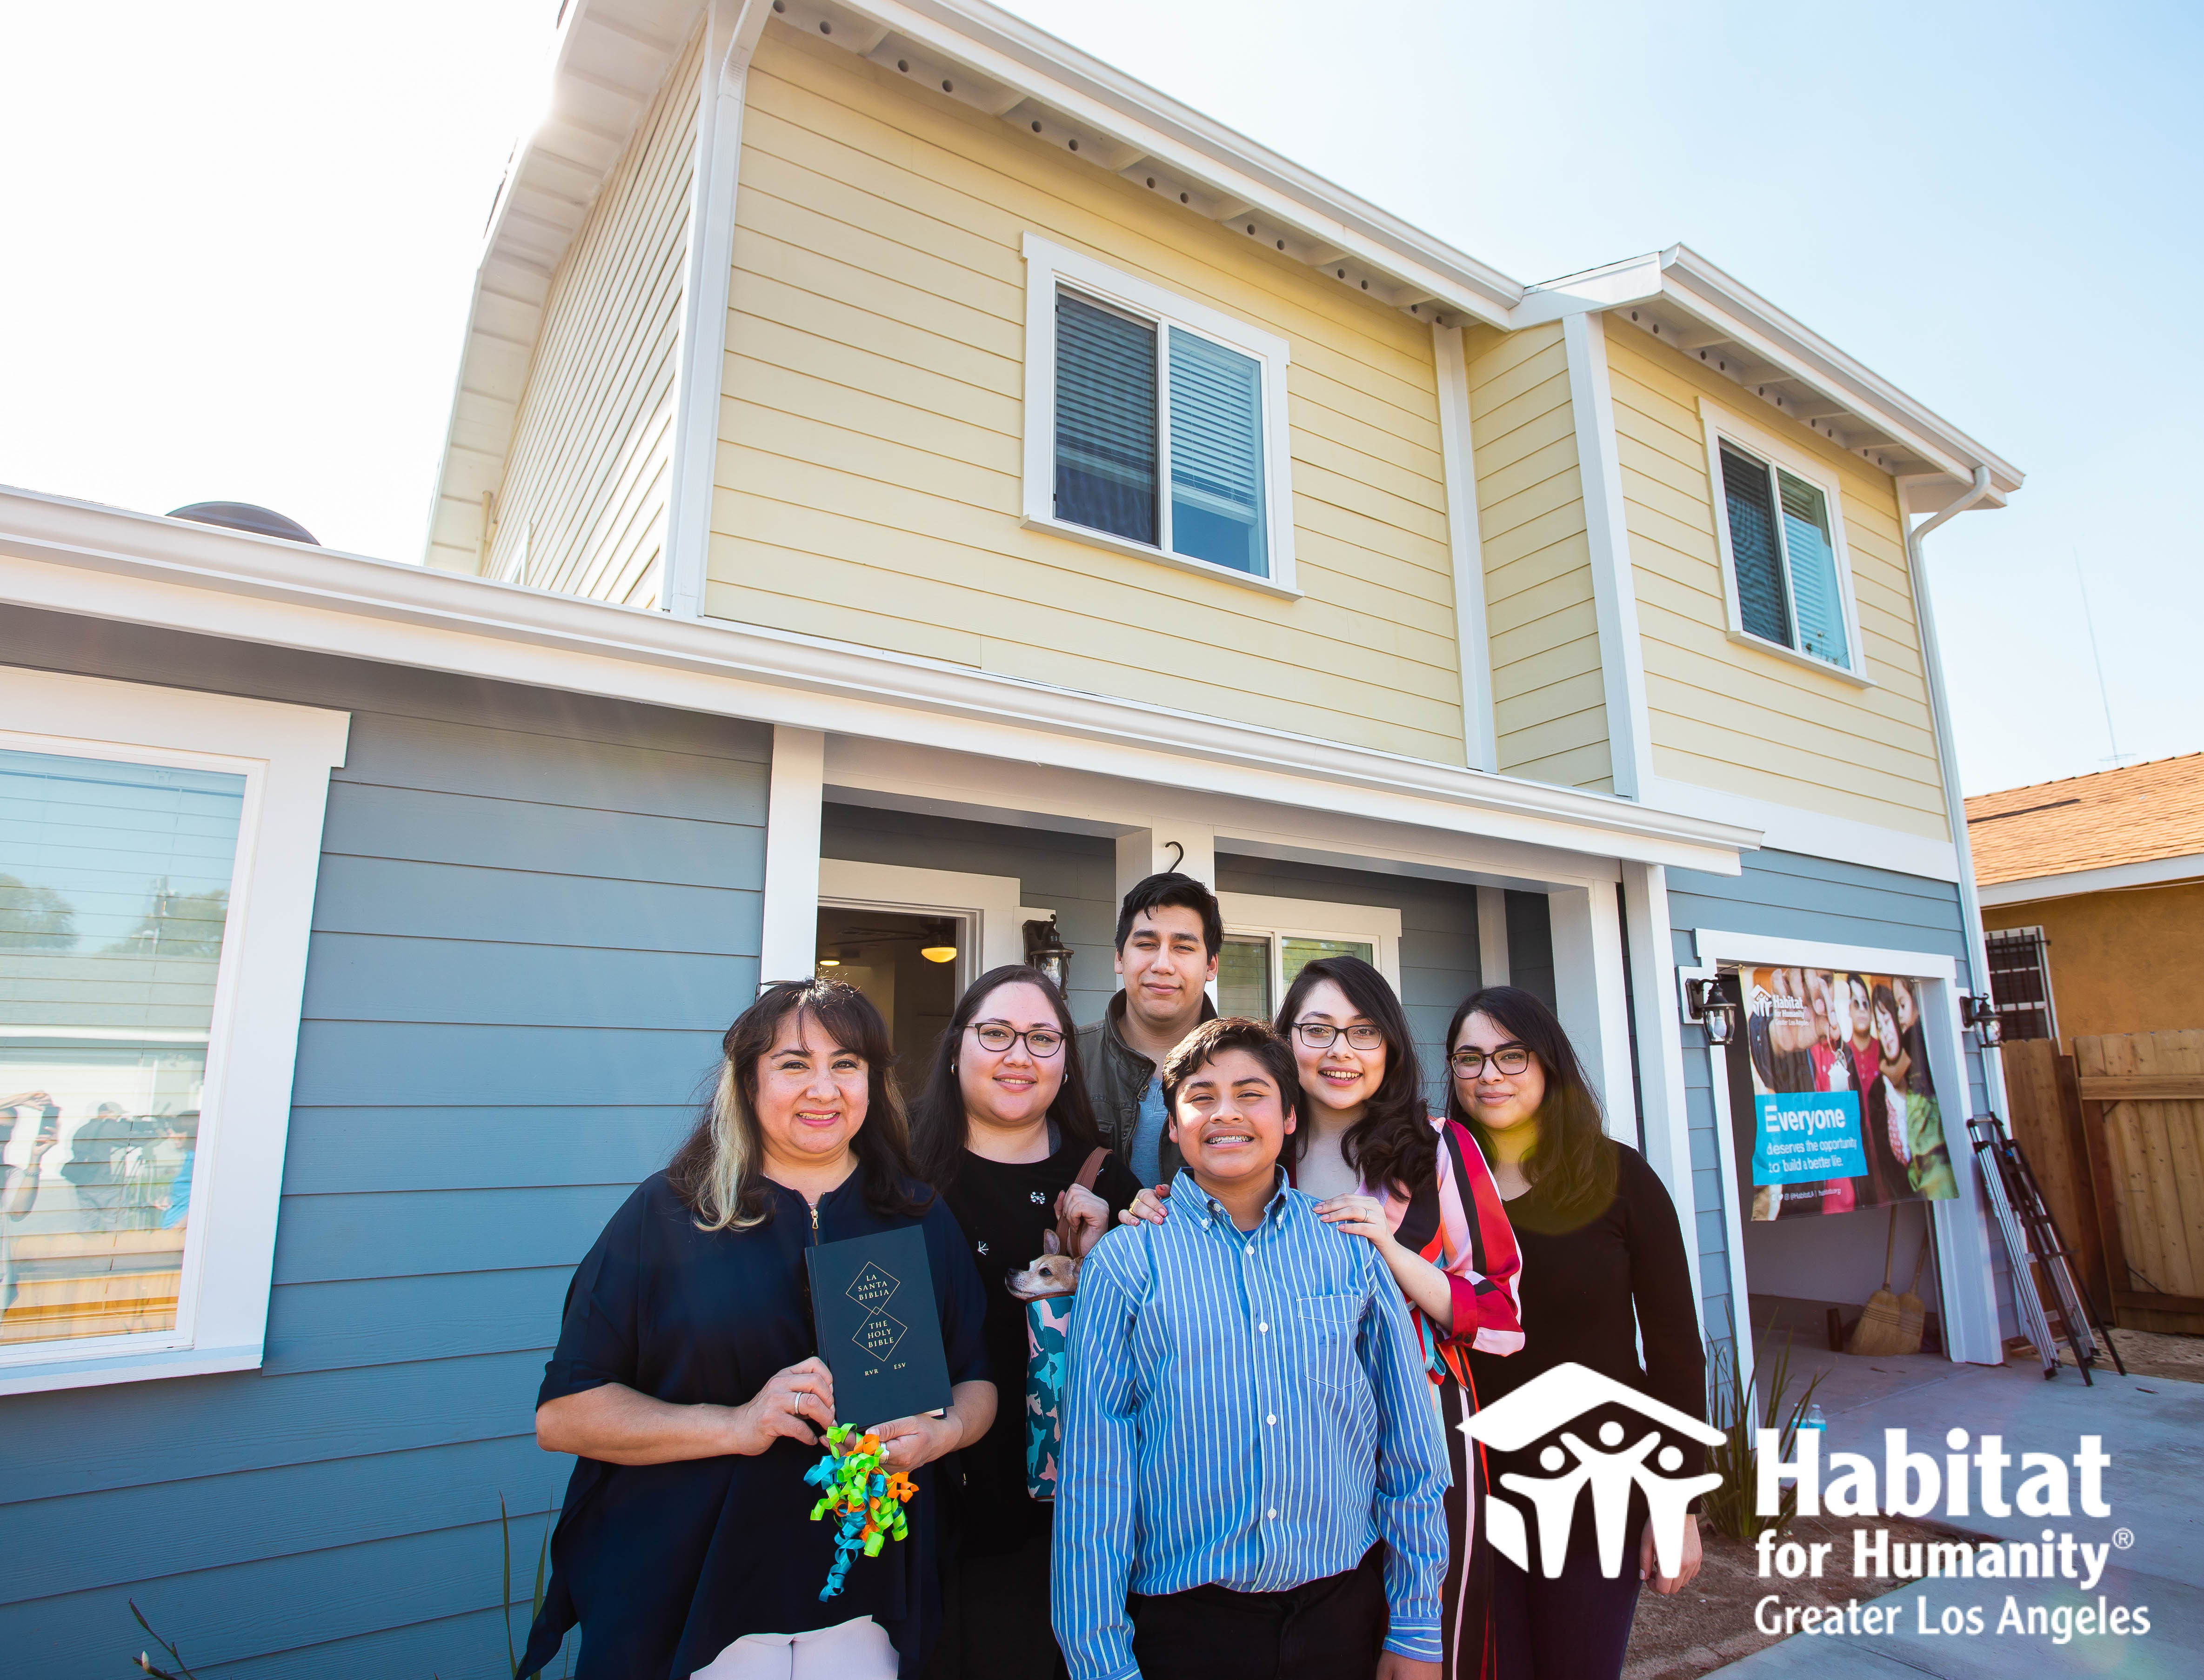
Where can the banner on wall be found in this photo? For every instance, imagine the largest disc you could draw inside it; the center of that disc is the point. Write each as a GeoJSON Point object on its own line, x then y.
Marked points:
{"type": "Point", "coordinates": [1844, 1105]}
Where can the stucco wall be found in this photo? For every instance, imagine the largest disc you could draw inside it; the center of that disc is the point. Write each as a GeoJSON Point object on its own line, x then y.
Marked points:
{"type": "Point", "coordinates": [2120, 962]}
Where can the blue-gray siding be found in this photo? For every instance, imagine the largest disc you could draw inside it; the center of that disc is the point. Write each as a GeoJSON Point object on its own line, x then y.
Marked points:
{"type": "Point", "coordinates": [536, 912]}
{"type": "Point", "coordinates": [1789, 896]}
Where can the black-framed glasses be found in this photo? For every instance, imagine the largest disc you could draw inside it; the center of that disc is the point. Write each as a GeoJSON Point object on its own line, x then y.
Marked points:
{"type": "Point", "coordinates": [1508, 1058]}
{"type": "Point", "coordinates": [1040, 1042]}
{"type": "Point", "coordinates": [1322, 1035]}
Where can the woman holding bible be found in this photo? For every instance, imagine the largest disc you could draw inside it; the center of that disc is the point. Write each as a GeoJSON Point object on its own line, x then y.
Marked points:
{"type": "Point", "coordinates": [687, 1383]}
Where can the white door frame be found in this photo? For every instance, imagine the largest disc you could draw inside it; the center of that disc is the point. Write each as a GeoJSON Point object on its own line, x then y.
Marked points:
{"type": "Point", "coordinates": [987, 903]}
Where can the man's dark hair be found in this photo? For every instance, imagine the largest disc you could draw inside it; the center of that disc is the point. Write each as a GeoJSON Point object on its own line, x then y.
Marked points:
{"type": "Point", "coordinates": [1171, 887]}
{"type": "Point", "coordinates": [1212, 1039]}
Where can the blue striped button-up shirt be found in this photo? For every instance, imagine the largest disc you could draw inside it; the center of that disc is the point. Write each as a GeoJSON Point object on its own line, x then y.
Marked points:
{"type": "Point", "coordinates": [1248, 1409]}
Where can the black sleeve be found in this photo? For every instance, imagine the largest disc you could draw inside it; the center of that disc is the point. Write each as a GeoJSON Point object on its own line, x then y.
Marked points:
{"type": "Point", "coordinates": [597, 1335]}
{"type": "Point", "coordinates": [1115, 1185]}
{"type": "Point", "coordinates": [1660, 1288]}
{"type": "Point", "coordinates": [959, 1297]}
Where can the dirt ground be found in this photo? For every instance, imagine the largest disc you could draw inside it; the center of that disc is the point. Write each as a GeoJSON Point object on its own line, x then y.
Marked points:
{"type": "Point", "coordinates": [1709, 1625]}
{"type": "Point", "coordinates": [2146, 1353]}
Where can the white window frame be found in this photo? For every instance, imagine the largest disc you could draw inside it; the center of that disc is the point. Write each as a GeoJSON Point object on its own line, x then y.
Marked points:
{"type": "Point", "coordinates": [1251, 915]}
{"type": "Point", "coordinates": [1050, 268]}
{"type": "Point", "coordinates": [284, 753]}
{"type": "Point", "coordinates": [986, 905]}
{"type": "Point", "coordinates": [1721, 425]}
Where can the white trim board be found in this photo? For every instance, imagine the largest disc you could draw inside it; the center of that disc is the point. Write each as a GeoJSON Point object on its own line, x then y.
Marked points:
{"type": "Point", "coordinates": [284, 753]}
{"type": "Point", "coordinates": [1607, 534]}
{"type": "Point", "coordinates": [992, 900]}
{"type": "Point", "coordinates": [2112, 878]}
{"type": "Point", "coordinates": [1465, 550]}
{"type": "Point", "coordinates": [1051, 267]}
{"type": "Point", "coordinates": [106, 563]}
{"type": "Point", "coordinates": [1814, 833]}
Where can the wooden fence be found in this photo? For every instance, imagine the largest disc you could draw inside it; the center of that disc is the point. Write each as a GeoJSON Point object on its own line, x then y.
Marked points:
{"type": "Point", "coordinates": [2116, 1134]}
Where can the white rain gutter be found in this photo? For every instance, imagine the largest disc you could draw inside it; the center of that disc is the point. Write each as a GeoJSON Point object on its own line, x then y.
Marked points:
{"type": "Point", "coordinates": [1947, 760]}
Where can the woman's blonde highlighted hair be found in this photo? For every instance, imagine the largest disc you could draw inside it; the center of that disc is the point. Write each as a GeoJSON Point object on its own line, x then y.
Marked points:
{"type": "Point", "coordinates": [719, 1172]}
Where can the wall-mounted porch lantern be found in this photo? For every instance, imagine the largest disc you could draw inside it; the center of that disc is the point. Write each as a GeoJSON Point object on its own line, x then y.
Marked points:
{"type": "Point", "coordinates": [1707, 1005]}
{"type": "Point", "coordinates": [1047, 951]}
{"type": "Point", "coordinates": [1978, 1009]}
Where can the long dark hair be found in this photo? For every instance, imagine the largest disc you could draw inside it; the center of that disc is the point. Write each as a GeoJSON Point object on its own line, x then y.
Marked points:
{"type": "Point", "coordinates": [939, 1128]}
{"type": "Point", "coordinates": [1392, 1143]}
{"type": "Point", "coordinates": [719, 1172]}
{"type": "Point", "coordinates": [1574, 1159]}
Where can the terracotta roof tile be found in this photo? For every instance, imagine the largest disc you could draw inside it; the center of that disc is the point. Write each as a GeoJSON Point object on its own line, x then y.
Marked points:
{"type": "Point", "coordinates": [2128, 815]}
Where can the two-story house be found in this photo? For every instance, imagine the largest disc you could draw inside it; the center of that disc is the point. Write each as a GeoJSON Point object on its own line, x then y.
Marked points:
{"type": "Point", "coordinates": [905, 481]}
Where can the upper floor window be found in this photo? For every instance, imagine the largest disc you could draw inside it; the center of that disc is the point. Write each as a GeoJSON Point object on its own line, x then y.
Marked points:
{"type": "Point", "coordinates": [1154, 424]}
{"type": "Point", "coordinates": [1787, 578]}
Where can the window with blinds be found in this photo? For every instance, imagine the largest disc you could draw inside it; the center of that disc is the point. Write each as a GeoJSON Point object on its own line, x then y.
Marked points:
{"type": "Point", "coordinates": [115, 888]}
{"type": "Point", "coordinates": [1783, 558]}
{"type": "Point", "coordinates": [1140, 404]}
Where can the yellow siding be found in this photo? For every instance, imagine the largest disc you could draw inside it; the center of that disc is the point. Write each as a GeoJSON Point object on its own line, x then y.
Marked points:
{"type": "Point", "coordinates": [583, 508]}
{"type": "Point", "coordinates": [1729, 716]}
{"type": "Point", "coordinates": [1548, 706]}
{"type": "Point", "coordinates": [869, 481]}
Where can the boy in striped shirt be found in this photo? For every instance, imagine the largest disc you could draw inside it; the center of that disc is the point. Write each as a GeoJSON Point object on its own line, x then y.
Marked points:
{"type": "Point", "coordinates": [1253, 1474]}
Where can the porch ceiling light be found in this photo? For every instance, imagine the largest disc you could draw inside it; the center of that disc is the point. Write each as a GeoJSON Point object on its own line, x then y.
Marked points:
{"type": "Point", "coordinates": [942, 945]}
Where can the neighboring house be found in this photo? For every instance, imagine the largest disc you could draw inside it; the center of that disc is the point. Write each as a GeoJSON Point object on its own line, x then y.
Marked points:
{"type": "Point", "coordinates": [2093, 895]}
{"type": "Point", "coordinates": [906, 480]}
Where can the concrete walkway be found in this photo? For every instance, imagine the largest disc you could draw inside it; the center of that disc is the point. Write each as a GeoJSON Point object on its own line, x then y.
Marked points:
{"type": "Point", "coordinates": [2152, 1428]}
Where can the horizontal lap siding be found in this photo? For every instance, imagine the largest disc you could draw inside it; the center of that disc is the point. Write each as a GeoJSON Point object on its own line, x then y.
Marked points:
{"type": "Point", "coordinates": [1729, 716]}
{"type": "Point", "coordinates": [536, 914]}
{"type": "Point", "coordinates": [586, 480]}
{"type": "Point", "coordinates": [1785, 895]}
{"type": "Point", "coordinates": [871, 432]}
{"type": "Point", "coordinates": [1548, 701]}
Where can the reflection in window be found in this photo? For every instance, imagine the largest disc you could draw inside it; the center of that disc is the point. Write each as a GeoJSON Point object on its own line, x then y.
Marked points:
{"type": "Point", "coordinates": [114, 904]}
{"type": "Point", "coordinates": [1243, 977]}
{"type": "Point", "coordinates": [1784, 567]}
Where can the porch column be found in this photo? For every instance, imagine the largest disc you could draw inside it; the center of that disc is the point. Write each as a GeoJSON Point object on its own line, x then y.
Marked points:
{"type": "Point", "coordinates": [1588, 982]}
{"type": "Point", "coordinates": [1665, 1138]}
{"type": "Point", "coordinates": [1142, 852]}
{"type": "Point", "coordinates": [788, 947]}
{"type": "Point", "coordinates": [1492, 969]}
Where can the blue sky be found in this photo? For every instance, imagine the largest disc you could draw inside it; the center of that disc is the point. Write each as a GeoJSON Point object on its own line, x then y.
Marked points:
{"type": "Point", "coordinates": [254, 226]}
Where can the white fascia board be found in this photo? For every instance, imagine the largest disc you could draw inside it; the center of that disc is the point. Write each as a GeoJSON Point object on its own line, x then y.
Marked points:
{"type": "Point", "coordinates": [2112, 878]}
{"type": "Point", "coordinates": [1632, 280]}
{"type": "Point", "coordinates": [1813, 834]}
{"type": "Point", "coordinates": [1699, 289]}
{"type": "Point", "coordinates": [602, 51]}
{"type": "Point", "coordinates": [1012, 52]}
{"type": "Point", "coordinates": [103, 562]}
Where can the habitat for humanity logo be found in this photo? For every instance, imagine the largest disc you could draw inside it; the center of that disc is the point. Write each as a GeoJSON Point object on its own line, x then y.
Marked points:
{"type": "Point", "coordinates": [1608, 1472]}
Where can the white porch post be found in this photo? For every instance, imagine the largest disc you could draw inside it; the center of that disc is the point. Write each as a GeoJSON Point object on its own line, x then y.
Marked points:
{"type": "Point", "coordinates": [1588, 981]}
{"type": "Point", "coordinates": [788, 947]}
{"type": "Point", "coordinates": [1666, 1138]}
{"type": "Point", "coordinates": [1492, 936]}
{"type": "Point", "coordinates": [1142, 852]}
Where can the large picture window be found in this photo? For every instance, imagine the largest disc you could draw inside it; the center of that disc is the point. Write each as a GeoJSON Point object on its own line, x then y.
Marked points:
{"type": "Point", "coordinates": [1268, 941]}
{"type": "Point", "coordinates": [1154, 424]}
{"type": "Point", "coordinates": [1786, 572]}
{"type": "Point", "coordinates": [159, 852]}
{"type": "Point", "coordinates": [114, 900]}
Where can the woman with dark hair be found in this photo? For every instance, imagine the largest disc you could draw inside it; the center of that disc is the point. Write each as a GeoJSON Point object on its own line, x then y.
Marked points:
{"type": "Point", "coordinates": [687, 1383]}
{"type": "Point", "coordinates": [1603, 1263]}
{"type": "Point", "coordinates": [1004, 1129]}
{"type": "Point", "coordinates": [1418, 1190]}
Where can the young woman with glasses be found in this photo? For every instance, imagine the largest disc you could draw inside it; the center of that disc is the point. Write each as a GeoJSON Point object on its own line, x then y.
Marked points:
{"type": "Point", "coordinates": [1604, 1265]}
{"type": "Point", "coordinates": [1382, 1167]}
{"type": "Point", "coordinates": [1004, 1131]}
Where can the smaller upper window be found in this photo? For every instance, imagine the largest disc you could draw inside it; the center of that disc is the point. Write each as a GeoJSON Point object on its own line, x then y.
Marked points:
{"type": "Point", "coordinates": [1783, 548]}
{"type": "Point", "coordinates": [1154, 424]}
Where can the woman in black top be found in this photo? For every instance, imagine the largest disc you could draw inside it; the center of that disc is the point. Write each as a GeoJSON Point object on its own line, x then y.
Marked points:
{"type": "Point", "coordinates": [1004, 1129]}
{"type": "Point", "coordinates": [1604, 1262]}
{"type": "Point", "coordinates": [687, 1382]}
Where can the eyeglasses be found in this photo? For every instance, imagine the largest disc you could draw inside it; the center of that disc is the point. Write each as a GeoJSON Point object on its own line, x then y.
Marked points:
{"type": "Point", "coordinates": [1510, 1058]}
{"type": "Point", "coordinates": [1041, 1043]}
{"type": "Point", "coordinates": [1322, 1035]}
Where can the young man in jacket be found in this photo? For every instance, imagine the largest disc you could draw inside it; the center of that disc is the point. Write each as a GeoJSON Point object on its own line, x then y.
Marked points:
{"type": "Point", "coordinates": [1169, 932]}
{"type": "Point", "coordinates": [1252, 1476]}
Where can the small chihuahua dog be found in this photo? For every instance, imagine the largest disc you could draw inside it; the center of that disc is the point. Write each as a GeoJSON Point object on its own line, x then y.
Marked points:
{"type": "Point", "coordinates": [1052, 1272]}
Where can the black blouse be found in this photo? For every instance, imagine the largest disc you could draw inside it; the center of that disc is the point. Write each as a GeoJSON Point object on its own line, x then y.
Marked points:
{"type": "Point", "coordinates": [665, 1565]}
{"type": "Point", "coordinates": [1589, 1288]}
{"type": "Point", "coordinates": [1004, 1208]}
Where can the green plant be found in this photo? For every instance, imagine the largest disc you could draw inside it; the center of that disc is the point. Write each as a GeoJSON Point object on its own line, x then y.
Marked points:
{"type": "Point", "coordinates": [504, 1591]}
{"type": "Point", "coordinates": [1731, 1407]}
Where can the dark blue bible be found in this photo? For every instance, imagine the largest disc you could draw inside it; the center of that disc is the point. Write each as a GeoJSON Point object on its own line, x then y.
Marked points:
{"type": "Point", "coordinates": [871, 1303]}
